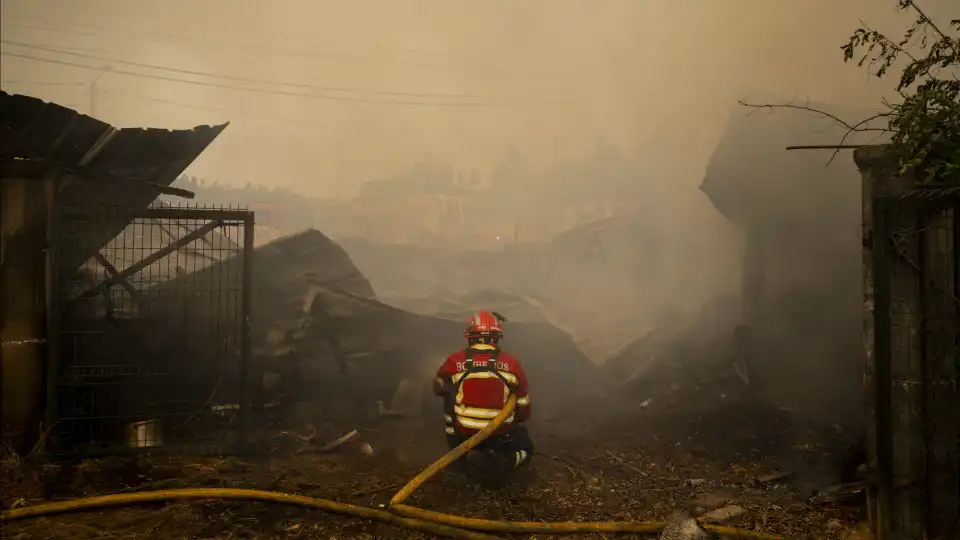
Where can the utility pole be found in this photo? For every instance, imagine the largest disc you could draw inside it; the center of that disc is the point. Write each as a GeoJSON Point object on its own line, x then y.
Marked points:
{"type": "Point", "coordinates": [94, 94]}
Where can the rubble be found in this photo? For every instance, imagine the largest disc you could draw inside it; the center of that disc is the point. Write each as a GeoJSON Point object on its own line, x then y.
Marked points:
{"type": "Point", "coordinates": [570, 480]}
{"type": "Point", "coordinates": [840, 493]}
{"type": "Point", "coordinates": [407, 400]}
{"type": "Point", "coordinates": [328, 351]}
{"type": "Point", "coordinates": [683, 527]}
{"type": "Point", "coordinates": [776, 477]}
{"type": "Point", "coordinates": [398, 352]}
{"type": "Point", "coordinates": [319, 326]}
{"type": "Point", "coordinates": [727, 514]}
{"type": "Point", "coordinates": [610, 258]}
{"type": "Point", "coordinates": [340, 441]}
{"type": "Point", "coordinates": [709, 501]}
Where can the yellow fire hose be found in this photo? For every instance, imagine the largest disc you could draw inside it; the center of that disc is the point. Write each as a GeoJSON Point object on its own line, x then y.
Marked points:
{"type": "Point", "coordinates": [557, 527]}
{"type": "Point", "coordinates": [127, 499]}
{"type": "Point", "coordinates": [451, 526]}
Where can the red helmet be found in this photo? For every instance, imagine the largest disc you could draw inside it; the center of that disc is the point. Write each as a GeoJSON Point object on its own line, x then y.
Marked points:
{"type": "Point", "coordinates": [485, 324]}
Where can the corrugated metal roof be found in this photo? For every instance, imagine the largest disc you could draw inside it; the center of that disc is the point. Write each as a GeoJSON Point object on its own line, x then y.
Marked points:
{"type": "Point", "coordinates": [107, 161]}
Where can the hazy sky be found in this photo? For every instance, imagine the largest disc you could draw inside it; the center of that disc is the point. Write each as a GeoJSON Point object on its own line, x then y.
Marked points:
{"type": "Point", "coordinates": [546, 76]}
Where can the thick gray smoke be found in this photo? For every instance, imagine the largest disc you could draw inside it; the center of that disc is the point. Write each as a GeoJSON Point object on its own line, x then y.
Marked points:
{"type": "Point", "coordinates": [545, 157]}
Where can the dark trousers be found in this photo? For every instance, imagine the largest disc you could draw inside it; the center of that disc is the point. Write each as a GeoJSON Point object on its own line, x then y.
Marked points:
{"type": "Point", "coordinates": [511, 445]}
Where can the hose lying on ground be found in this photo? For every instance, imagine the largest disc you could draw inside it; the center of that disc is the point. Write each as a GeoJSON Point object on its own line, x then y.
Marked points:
{"type": "Point", "coordinates": [556, 527]}
{"type": "Point", "coordinates": [127, 499]}
{"type": "Point", "coordinates": [455, 454]}
{"type": "Point", "coordinates": [451, 526]}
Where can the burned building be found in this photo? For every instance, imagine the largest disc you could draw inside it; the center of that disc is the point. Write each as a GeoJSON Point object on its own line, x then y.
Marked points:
{"type": "Point", "coordinates": [70, 186]}
{"type": "Point", "coordinates": [799, 211]}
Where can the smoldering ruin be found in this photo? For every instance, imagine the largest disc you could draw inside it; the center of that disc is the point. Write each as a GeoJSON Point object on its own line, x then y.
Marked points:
{"type": "Point", "coordinates": [704, 310]}
{"type": "Point", "coordinates": [325, 356]}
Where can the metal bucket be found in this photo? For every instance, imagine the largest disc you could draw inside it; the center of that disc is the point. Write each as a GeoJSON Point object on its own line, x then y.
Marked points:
{"type": "Point", "coordinates": [226, 414]}
{"type": "Point", "coordinates": [144, 434]}
{"type": "Point", "coordinates": [227, 410]}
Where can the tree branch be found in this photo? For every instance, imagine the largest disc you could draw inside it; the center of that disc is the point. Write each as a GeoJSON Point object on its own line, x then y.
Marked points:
{"type": "Point", "coordinates": [858, 127]}
{"type": "Point", "coordinates": [924, 17]}
{"type": "Point", "coordinates": [851, 128]}
{"type": "Point", "coordinates": [881, 37]}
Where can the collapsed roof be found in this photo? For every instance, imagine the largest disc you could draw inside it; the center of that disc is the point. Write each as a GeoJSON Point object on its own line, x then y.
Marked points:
{"type": "Point", "coordinates": [99, 165]}
{"type": "Point", "coordinates": [306, 288]}
{"type": "Point", "coordinates": [600, 283]}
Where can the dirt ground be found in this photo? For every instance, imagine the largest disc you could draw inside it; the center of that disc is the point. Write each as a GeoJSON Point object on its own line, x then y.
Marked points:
{"type": "Point", "coordinates": [644, 465]}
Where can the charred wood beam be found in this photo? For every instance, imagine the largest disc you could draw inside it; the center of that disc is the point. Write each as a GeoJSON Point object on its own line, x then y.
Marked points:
{"type": "Point", "coordinates": [172, 237]}
{"type": "Point", "coordinates": [154, 186]}
{"type": "Point", "coordinates": [27, 168]}
{"type": "Point", "coordinates": [160, 188]}
{"type": "Point", "coordinates": [827, 146]}
{"type": "Point", "coordinates": [147, 261]}
{"type": "Point", "coordinates": [114, 273]}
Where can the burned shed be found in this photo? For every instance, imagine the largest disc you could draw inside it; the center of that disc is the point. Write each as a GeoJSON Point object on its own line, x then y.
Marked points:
{"type": "Point", "coordinates": [70, 185]}
{"type": "Point", "coordinates": [801, 292]}
{"type": "Point", "coordinates": [320, 335]}
{"type": "Point", "coordinates": [375, 347]}
{"type": "Point", "coordinates": [283, 277]}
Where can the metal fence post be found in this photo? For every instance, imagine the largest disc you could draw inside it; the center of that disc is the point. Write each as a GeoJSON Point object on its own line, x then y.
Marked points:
{"type": "Point", "coordinates": [52, 368]}
{"type": "Point", "coordinates": [246, 314]}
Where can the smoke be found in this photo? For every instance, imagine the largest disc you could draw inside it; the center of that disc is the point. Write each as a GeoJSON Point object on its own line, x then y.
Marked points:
{"type": "Point", "coordinates": [653, 79]}
{"type": "Point", "coordinates": [505, 103]}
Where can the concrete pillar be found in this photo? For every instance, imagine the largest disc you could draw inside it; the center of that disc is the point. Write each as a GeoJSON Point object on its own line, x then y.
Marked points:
{"type": "Point", "coordinates": [23, 275]}
{"type": "Point", "coordinates": [892, 382]}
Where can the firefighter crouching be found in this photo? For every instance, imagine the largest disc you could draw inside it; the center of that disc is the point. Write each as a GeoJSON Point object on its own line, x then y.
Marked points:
{"type": "Point", "coordinates": [475, 383]}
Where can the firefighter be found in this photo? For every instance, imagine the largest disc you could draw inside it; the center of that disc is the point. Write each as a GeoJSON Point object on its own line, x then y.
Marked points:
{"type": "Point", "coordinates": [475, 383]}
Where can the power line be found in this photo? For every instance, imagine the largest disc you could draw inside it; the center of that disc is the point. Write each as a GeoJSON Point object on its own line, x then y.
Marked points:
{"type": "Point", "coordinates": [171, 102]}
{"type": "Point", "coordinates": [255, 90]}
{"type": "Point", "coordinates": [291, 53]}
{"type": "Point", "coordinates": [140, 16]}
{"type": "Point", "coordinates": [68, 52]}
{"type": "Point", "coordinates": [200, 107]}
{"type": "Point", "coordinates": [44, 83]}
{"type": "Point", "coordinates": [313, 54]}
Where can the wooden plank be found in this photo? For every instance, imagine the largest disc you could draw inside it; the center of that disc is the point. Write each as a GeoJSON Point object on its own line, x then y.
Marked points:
{"type": "Point", "coordinates": [147, 261]}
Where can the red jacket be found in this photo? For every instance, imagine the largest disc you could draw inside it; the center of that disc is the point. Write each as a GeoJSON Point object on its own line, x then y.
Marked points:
{"type": "Point", "coordinates": [482, 393]}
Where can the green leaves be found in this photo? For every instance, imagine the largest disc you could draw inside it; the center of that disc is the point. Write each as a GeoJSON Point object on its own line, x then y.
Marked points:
{"type": "Point", "coordinates": [925, 124]}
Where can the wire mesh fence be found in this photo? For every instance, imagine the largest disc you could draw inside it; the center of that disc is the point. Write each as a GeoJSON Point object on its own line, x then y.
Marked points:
{"type": "Point", "coordinates": [152, 343]}
{"type": "Point", "coordinates": [916, 249]}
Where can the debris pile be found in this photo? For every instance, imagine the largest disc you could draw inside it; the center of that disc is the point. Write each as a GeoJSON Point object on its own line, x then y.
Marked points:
{"type": "Point", "coordinates": [598, 282]}
{"type": "Point", "coordinates": [372, 361]}
{"type": "Point", "coordinates": [690, 381]}
{"type": "Point", "coordinates": [633, 477]}
{"type": "Point", "coordinates": [328, 355]}
{"type": "Point", "coordinates": [694, 354]}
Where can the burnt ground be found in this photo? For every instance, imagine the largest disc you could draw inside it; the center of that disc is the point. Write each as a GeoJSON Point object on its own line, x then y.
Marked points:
{"type": "Point", "coordinates": [653, 459]}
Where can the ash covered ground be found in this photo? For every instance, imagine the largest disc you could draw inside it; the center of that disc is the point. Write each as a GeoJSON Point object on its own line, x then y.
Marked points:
{"type": "Point", "coordinates": [694, 449]}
